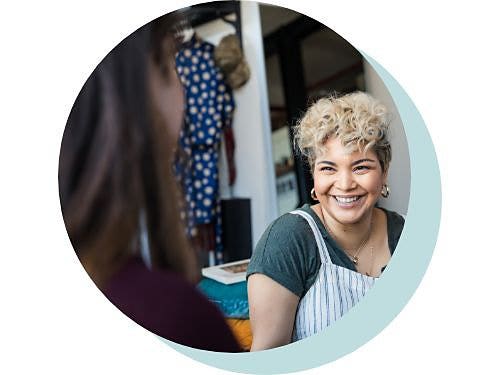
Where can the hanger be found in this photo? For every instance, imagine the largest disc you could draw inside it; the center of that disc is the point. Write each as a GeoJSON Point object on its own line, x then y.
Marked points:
{"type": "Point", "coordinates": [223, 10]}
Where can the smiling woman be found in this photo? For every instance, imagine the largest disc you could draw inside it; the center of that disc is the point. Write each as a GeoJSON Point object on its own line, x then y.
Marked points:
{"type": "Point", "coordinates": [313, 264]}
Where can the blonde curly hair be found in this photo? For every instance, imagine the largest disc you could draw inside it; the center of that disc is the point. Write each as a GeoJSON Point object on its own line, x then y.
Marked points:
{"type": "Point", "coordinates": [357, 119]}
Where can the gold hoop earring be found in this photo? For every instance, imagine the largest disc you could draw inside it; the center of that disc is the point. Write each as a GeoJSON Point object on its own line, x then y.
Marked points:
{"type": "Point", "coordinates": [385, 191]}
{"type": "Point", "coordinates": [313, 195]}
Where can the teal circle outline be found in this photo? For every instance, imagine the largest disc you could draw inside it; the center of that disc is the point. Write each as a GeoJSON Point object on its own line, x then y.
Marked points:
{"type": "Point", "coordinates": [391, 293]}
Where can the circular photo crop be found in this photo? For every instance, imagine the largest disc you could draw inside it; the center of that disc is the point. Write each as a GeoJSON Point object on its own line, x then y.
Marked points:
{"type": "Point", "coordinates": [245, 184]}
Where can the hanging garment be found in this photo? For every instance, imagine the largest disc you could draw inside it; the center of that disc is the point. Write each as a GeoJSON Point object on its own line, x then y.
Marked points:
{"type": "Point", "coordinates": [209, 109]}
{"type": "Point", "coordinates": [335, 291]}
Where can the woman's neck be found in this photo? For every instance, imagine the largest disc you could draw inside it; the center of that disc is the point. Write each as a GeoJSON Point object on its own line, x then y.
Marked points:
{"type": "Point", "coordinates": [348, 236]}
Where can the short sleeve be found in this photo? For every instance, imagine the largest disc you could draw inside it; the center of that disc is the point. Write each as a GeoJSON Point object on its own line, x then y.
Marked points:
{"type": "Point", "coordinates": [283, 253]}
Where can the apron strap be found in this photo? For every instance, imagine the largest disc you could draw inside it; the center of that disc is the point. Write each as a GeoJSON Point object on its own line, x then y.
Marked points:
{"type": "Point", "coordinates": [323, 251]}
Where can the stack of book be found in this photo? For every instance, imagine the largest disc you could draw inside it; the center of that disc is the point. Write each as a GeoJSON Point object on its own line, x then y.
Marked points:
{"type": "Point", "coordinates": [228, 273]}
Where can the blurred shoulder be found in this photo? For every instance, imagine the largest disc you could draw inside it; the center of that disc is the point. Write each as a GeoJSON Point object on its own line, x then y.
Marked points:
{"type": "Point", "coordinates": [166, 304]}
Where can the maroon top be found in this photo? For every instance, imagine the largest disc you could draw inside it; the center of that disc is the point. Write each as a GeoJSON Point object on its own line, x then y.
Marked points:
{"type": "Point", "coordinates": [167, 305]}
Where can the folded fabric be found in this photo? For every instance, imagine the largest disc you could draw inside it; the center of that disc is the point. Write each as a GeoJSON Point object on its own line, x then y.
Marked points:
{"type": "Point", "coordinates": [242, 331]}
{"type": "Point", "coordinates": [231, 299]}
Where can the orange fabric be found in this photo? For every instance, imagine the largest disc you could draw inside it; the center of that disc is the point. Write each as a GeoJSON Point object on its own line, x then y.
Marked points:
{"type": "Point", "coordinates": [242, 331]}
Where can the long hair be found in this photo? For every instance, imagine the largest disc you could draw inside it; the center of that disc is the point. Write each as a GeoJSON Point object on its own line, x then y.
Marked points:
{"type": "Point", "coordinates": [115, 164]}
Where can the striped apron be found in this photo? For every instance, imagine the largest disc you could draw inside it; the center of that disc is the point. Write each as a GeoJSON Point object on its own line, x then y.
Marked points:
{"type": "Point", "coordinates": [335, 290]}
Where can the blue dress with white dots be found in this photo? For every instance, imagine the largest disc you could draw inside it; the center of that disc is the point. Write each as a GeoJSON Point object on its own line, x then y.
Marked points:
{"type": "Point", "coordinates": [209, 109]}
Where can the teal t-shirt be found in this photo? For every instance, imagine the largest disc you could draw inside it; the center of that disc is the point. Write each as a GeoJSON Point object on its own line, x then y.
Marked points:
{"type": "Point", "coordinates": [288, 254]}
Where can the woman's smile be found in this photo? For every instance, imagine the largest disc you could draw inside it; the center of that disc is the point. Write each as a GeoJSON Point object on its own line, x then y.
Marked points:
{"type": "Point", "coordinates": [348, 202]}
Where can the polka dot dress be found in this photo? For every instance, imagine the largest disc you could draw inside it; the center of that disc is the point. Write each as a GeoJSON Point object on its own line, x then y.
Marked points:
{"type": "Point", "coordinates": [209, 109]}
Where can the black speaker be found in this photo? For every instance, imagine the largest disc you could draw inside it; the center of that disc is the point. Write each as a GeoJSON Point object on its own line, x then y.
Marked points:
{"type": "Point", "coordinates": [236, 229]}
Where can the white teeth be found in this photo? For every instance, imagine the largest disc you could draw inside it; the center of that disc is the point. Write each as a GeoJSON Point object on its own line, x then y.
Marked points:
{"type": "Point", "coordinates": [346, 199]}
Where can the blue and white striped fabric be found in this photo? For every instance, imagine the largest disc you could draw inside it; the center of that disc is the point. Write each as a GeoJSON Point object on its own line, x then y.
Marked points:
{"type": "Point", "coordinates": [334, 292]}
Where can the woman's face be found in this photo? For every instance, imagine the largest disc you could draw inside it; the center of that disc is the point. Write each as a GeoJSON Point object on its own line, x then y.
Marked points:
{"type": "Point", "coordinates": [347, 184]}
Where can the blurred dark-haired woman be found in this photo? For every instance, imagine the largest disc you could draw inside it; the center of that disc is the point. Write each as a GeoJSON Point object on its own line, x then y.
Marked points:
{"type": "Point", "coordinates": [118, 190]}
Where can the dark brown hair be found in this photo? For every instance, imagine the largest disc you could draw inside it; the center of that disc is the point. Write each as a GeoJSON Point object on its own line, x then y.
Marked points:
{"type": "Point", "coordinates": [115, 163]}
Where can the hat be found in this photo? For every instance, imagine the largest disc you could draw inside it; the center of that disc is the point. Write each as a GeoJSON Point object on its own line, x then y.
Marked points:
{"type": "Point", "coordinates": [229, 58]}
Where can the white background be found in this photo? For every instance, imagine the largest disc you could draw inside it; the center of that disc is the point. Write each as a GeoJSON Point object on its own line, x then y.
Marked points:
{"type": "Point", "coordinates": [444, 54]}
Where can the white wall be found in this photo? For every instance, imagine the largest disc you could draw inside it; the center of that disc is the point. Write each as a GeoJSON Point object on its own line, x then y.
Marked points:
{"type": "Point", "coordinates": [399, 171]}
{"type": "Point", "coordinates": [252, 125]}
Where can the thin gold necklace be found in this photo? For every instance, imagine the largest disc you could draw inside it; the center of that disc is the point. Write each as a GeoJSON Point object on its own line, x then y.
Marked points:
{"type": "Point", "coordinates": [354, 258]}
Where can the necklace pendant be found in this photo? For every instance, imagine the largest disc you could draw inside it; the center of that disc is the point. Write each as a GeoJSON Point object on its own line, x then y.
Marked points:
{"type": "Point", "coordinates": [355, 259]}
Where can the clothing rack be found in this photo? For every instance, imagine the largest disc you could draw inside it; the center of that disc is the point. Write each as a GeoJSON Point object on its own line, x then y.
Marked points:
{"type": "Point", "coordinates": [203, 13]}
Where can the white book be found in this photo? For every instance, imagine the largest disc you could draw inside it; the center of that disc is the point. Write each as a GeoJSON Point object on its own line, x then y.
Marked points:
{"type": "Point", "coordinates": [227, 273]}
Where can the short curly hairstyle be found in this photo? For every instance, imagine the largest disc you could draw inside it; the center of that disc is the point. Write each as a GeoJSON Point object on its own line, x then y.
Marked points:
{"type": "Point", "coordinates": [357, 119]}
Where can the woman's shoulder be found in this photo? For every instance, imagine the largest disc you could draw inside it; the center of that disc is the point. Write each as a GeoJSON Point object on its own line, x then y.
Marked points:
{"type": "Point", "coordinates": [285, 252]}
{"type": "Point", "coordinates": [289, 228]}
{"type": "Point", "coordinates": [293, 218]}
{"type": "Point", "coordinates": [169, 306]}
{"type": "Point", "coordinates": [394, 217]}
{"type": "Point", "coordinates": [395, 224]}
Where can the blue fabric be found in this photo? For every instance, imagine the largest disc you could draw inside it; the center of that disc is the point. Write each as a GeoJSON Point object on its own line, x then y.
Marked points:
{"type": "Point", "coordinates": [209, 109]}
{"type": "Point", "coordinates": [231, 299]}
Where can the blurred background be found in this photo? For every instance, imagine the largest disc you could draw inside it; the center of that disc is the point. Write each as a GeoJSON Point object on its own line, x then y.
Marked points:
{"type": "Point", "coordinates": [293, 60]}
